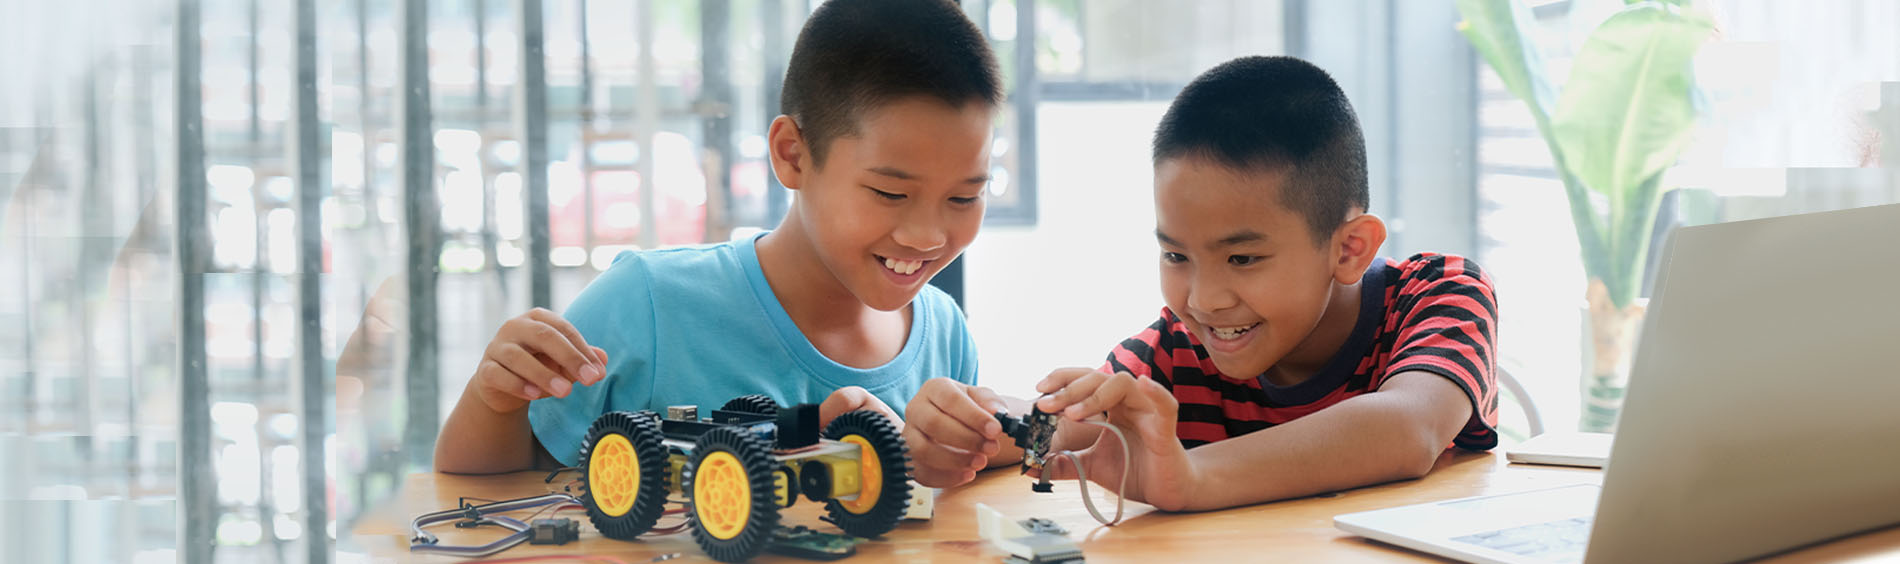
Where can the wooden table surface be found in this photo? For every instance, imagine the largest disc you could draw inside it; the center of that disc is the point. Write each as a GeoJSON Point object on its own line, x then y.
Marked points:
{"type": "Point", "coordinates": [1299, 530]}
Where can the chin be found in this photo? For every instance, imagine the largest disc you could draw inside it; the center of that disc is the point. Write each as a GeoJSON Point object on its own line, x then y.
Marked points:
{"type": "Point", "coordinates": [886, 299]}
{"type": "Point", "coordinates": [1241, 370]}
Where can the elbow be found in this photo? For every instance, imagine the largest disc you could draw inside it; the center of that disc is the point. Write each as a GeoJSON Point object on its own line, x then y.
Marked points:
{"type": "Point", "coordinates": [1417, 459]}
{"type": "Point", "coordinates": [445, 460]}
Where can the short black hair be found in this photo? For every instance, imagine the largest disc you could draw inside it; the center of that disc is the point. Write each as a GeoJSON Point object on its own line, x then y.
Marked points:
{"type": "Point", "coordinates": [1275, 114]}
{"type": "Point", "coordinates": [856, 55]}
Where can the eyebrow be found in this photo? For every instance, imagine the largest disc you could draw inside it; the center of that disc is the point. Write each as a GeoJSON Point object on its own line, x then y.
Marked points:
{"type": "Point", "coordinates": [1238, 238]}
{"type": "Point", "coordinates": [1241, 237]}
{"type": "Point", "coordinates": [902, 175]}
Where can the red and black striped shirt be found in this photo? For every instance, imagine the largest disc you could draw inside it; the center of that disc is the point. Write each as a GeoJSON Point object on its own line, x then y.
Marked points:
{"type": "Point", "coordinates": [1431, 312]}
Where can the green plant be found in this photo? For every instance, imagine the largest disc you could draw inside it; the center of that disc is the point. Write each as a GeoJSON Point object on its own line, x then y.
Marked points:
{"type": "Point", "coordinates": [1626, 112]}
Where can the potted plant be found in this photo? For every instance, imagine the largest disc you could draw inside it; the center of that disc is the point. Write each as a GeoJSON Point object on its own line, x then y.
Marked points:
{"type": "Point", "coordinates": [1626, 112]}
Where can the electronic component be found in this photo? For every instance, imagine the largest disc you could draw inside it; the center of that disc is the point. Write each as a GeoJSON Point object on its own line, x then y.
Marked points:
{"type": "Point", "coordinates": [554, 531]}
{"type": "Point", "coordinates": [1025, 546]}
{"type": "Point", "coordinates": [923, 502]}
{"type": "Point", "coordinates": [803, 542]}
{"type": "Point", "coordinates": [1041, 525]}
{"type": "Point", "coordinates": [1034, 432]}
{"type": "Point", "coordinates": [682, 412]}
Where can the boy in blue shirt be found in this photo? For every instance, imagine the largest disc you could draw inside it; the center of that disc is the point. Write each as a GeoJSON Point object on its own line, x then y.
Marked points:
{"type": "Point", "coordinates": [885, 141]}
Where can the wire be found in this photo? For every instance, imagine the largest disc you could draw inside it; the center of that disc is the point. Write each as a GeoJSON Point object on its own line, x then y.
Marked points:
{"type": "Point", "coordinates": [1082, 475]}
{"type": "Point", "coordinates": [422, 541]}
{"type": "Point", "coordinates": [556, 558]}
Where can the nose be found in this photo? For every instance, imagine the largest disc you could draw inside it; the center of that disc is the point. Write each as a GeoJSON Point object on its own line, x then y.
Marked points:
{"type": "Point", "coordinates": [921, 231]}
{"type": "Point", "coordinates": [1209, 293]}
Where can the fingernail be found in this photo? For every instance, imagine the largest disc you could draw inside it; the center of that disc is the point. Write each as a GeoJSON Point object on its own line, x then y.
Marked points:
{"type": "Point", "coordinates": [590, 375]}
{"type": "Point", "coordinates": [991, 448]}
{"type": "Point", "coordinates": [532, 391]}
{"type": "Point", "coordinates": [992, 429]}
{"type": "Point", "coordinates": [561, 387]}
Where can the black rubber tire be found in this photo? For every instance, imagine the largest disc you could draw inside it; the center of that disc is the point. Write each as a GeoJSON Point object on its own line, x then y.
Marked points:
{"type": "Point", "coordinates": [643, 431]}
{"type": "Point", "coordinates": [755, 403]}
{"type": "Point", "coordinates": [894, 461]}
{"type": "Point", "coordinates": [756, 457]}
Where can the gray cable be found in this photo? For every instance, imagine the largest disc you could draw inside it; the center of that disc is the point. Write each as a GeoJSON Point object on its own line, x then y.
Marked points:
{"type": "Point", "coordinates": [1082, 476]}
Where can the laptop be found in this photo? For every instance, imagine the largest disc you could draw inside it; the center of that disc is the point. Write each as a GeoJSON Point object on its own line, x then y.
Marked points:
{"type": "Point", "coordinates": [1761, 414]}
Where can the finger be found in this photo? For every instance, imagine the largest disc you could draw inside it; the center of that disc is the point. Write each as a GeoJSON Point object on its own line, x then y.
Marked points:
{"type": "Point", "coordinates": [934, 478]}
{"type": "Point", "coordinates": [1112, 392]}
{"type": "Point", "coordinates": [1060, 378]}
{"type": "Point", "coordinates": [943, 429]}
{"type": "Point", "coordinates": [927, 453]}
{"type": "Point", "coordinates": [493, 378]}
{"type": "Point", "coordinates": [566, 328]}
{"type": "Point", "coordinates": [545, 339]}
{"type": "Point", "coordinates": [519, 361]}
{"type": "Point", "coordinates": [988, 399]}
{"type": "Point", "coordinates": [1078, 389]}
{"type": "Point", "coordinates": [951, 399]}
{"type": "Point", "coordinates": [600, 356]}
{"type": "Point", "coordinates": [841, 401]}
{"type": "Point", "coordinates": [874, 403]}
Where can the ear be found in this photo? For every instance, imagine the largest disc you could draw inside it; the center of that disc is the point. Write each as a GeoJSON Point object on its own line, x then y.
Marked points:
{"type": "Point", "coordinates": [1355, 244]}
{"type": "Point", "coordinates": [790, 159]}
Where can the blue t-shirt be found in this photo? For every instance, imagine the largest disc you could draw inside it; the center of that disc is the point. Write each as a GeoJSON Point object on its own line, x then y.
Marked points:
{"type": "Point", "coordinates": [699, 326]}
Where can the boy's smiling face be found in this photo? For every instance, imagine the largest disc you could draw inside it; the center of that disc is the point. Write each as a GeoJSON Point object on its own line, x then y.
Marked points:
{"type": "Point", "coordinates": [894, 203]}
{"type": "Point", "coordinates": [1240, 268]}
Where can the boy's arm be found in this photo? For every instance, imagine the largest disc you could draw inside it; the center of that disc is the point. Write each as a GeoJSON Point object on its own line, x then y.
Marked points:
{"type": "Point", "coordinates": [478, 440]}
{"type": "Point", "coordinates": [535, 355]}
{"type": "Point", "coordinates": [1396, 433]}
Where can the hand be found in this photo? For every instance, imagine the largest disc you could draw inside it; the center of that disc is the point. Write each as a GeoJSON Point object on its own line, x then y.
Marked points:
{"type": "Point", "coordinates": [852, 398]}
{"type": "Point", "coordinates": [1144, 410]}
{"type": "Point", "coordinates": [535, 355]}
{"type": "Point", "coordinates": [952, 432]}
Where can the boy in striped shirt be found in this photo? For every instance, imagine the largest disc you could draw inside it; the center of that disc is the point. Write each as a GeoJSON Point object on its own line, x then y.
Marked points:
{"type": "Point", "coordinates": [1290, 359]}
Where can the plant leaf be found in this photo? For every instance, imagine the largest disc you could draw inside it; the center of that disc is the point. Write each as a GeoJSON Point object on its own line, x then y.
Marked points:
{"type": "Point", "coordinates": [1627, 110]}
{"type": "Point", "coordinates": [1499, 31]}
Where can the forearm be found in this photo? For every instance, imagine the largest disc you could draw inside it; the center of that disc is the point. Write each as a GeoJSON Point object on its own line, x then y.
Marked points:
{"type": "Point", "coordinates": [477, 440]}
{"type": "Point", "coordinates": [1366, 440]}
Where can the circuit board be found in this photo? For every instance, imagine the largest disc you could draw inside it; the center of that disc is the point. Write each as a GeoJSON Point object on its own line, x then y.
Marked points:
{"type": "Point", "coordinates": [803, 542]}
{"type": "Point", "coordinates": [1033, 432]}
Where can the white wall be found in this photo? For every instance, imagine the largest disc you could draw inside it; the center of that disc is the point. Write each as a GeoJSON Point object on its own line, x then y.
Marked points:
{"type": "Point", "coordinates": [1085, 277]}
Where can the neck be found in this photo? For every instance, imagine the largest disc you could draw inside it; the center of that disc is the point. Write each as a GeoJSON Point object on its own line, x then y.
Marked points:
{"type": "Point", "coordinates": [1319, 348]}
{"type": "Point", "coordinates": [810, 293]}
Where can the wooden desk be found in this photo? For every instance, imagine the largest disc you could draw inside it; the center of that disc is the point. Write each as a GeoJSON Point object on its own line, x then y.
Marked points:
{"type": "Point", "coordinates": [1299, 530]}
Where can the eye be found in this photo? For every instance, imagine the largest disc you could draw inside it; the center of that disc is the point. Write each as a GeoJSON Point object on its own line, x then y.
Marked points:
{"type": "Point", "coordinates": [892, 196]}
{"type": "Point", "coordinates": [1173, 258]}
{"type": "Point", "coordinates": [1244, 260]}
{"type": "Point", "coordinates": [965, 201]}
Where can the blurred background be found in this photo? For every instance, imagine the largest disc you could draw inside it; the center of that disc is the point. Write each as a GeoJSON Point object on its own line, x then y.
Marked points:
{"type": "Point", "coordinates": [252, 249]}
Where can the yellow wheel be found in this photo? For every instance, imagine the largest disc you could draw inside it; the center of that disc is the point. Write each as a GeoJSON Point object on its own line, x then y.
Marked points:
{"type": "Point", "coordinates": [873, 473]}
{"type": "Point", "coordinates": [730, 485]}
{"type": "Point", "coordinates": [720, 493]}
{"type": "Point", "coordinates": [623, 467]}
{"type": "Point", "coordinates": [884, 464]}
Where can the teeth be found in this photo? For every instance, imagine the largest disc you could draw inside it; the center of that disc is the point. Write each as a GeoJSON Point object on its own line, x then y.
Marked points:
{"type": "Point", "coordinates": [904, 267]}
{"type": "Point", "coordinates": [1231, 333]}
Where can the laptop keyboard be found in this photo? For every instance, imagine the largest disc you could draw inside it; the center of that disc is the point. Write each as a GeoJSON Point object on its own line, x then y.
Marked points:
{"type": "Point", "coordinates": [1555, 541]}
